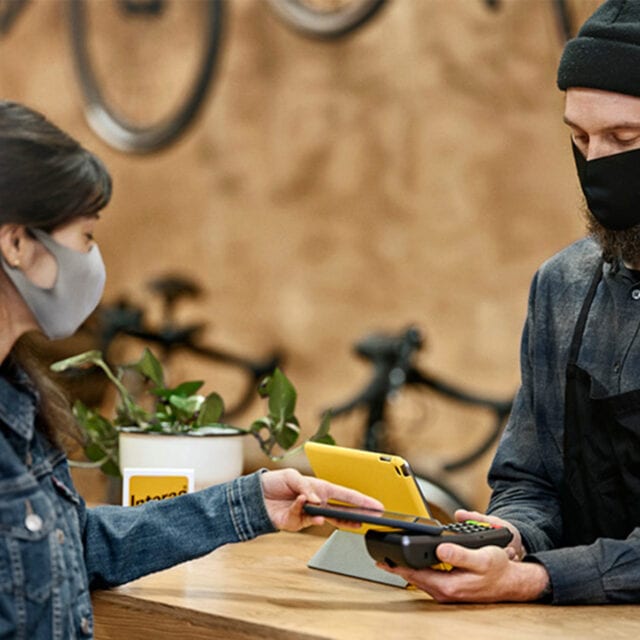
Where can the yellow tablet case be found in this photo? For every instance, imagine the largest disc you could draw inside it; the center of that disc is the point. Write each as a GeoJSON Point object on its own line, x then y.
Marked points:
{"type": "Point", "coordinates": [383, 476]}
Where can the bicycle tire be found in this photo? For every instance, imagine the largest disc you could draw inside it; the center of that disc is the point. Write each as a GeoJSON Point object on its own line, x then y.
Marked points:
{"type": "Point", "coordinates": [501, 410]}
{"type": "Point", "coordinates": [10, 10]}
{"type": "Point", "coordinates": [564, 20]}
{"type": "Point", "coordinates": [114, 128]}
{"type": "Point", "coordinates": [305, 17]}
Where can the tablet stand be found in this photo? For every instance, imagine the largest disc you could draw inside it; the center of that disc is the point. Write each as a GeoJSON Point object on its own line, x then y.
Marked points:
{"type": "Point", "coordinates": [346, 553]}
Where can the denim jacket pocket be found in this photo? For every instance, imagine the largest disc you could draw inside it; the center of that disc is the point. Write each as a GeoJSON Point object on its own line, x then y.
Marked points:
{"type": "Point", "coordinates": [27, 555]}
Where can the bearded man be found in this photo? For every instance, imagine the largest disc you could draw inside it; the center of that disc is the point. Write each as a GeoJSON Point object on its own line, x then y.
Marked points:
{"type": "Point", "coordinates": [566, 476]}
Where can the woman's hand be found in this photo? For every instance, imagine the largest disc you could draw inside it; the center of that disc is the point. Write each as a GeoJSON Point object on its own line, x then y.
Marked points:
{"type": "Point", "coordinates": [286, 491]}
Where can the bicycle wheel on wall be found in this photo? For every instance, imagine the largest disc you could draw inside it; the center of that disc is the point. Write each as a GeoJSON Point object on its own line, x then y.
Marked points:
{"type": "Point", "coordinates": [144, 66]}
{"type": "Point", "coordinates": [10, 10]}
{"type": "Point", "coordinates": [570, 14]}
{"type": "Point", "coordinates": [326, 18]}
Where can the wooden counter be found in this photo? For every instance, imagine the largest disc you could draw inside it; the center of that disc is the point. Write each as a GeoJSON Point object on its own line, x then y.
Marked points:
{"type": "Point", "coordinates": [263, 589]}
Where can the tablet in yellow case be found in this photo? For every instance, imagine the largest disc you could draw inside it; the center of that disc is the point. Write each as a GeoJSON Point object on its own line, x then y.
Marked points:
{"type": "Point", "coordinates": [383, 476]}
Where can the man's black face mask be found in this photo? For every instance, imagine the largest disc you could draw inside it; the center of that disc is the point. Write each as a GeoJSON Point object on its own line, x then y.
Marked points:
{"type": "Point", "coordinates": [611, 186]}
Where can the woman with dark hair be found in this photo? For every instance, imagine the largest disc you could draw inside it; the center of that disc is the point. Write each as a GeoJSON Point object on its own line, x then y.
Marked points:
{"type": "Point", "coordinates": [53, 549]}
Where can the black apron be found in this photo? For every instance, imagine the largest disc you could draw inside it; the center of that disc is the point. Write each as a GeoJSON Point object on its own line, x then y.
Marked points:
{"type": "Point", "coordinates": [601, 489]}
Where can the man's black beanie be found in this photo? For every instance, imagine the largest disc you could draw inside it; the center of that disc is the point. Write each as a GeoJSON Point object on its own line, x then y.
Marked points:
{"type": "Point", "coordinates": [606, 53]}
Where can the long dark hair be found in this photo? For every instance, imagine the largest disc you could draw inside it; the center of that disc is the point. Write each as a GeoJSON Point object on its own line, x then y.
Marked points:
{"type": "Point", "coordinates": [46, 179]}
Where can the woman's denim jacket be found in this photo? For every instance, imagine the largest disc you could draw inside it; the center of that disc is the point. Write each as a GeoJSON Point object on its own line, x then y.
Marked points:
{"type": "Point", "coordinates": [527, 472]}
{"type": "Point", "coordinates": [53, 549]}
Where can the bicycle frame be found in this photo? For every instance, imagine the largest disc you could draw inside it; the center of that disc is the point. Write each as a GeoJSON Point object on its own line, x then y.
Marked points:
{"type": "Point", "coordinates": [124, 319]}
{"type": "Point", "coordinates": [394, 370]}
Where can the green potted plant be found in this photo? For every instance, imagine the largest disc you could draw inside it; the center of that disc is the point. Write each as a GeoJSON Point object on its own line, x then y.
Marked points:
{"type": "Point", "coordinates": [199, 439]}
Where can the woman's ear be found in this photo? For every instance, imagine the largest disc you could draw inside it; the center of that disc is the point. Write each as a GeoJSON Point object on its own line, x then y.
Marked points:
{"type": "Point", "coordinates": [12, 243]}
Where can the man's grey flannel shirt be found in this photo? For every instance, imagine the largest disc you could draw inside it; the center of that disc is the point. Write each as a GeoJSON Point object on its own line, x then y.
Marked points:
{"type": "Point", "coordinates": [527, 471]}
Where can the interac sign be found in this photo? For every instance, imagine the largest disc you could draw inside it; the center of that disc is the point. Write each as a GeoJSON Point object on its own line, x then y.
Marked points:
{"type": "Point", "coordinates": [140, 486]}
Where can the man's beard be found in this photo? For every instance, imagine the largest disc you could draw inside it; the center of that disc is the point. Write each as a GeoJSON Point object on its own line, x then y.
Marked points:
{"type": "Point", "coordinates": [624, 245]}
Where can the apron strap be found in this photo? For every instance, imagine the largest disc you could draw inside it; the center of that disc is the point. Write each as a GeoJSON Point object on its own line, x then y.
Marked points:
{"type": "Point", "coordinates": [584, 313]}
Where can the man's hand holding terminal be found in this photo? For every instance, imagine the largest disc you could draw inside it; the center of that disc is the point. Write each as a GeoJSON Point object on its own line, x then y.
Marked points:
{"type": "Point", "coordinates": [489, 574]}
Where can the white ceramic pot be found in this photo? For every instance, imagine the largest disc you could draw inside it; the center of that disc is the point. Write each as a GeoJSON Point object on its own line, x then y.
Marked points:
{"type": "Point", "coordinates": [215, 454]}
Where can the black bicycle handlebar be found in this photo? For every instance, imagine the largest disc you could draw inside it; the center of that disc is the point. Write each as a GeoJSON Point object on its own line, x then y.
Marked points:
{"type": "Point", "coordinates": [126, 319]}
{"type": "Point", "coordinates": [392, 358]}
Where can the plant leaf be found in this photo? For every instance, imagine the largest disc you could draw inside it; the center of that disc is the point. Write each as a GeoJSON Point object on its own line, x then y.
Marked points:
{"type": "Point", "coordinates": [185, 408]}
{"type": "Point", "coordinates": [211, 410]}
{"type": "Point", "coordinates": [326, 439]}
{"type": "Point", "coordinates": [287, 435]}
{"type": "Point", "coordinates": [184, 390]}
{"type": "Point", "coordinates": [282, 396]}
{"type": "Point", "coordinates": [132, 415]}
{"type": "Point", "coordinates": [264, 387]}
{"type": "Point", "coordinates": [189, 388]}
{"type": "Point", "coordinates": [325, 425]}
{"type": "Point", "coordinates": [322, 434]}
{"type": "Point", "coordinates": [149, 366]}
{"type": "Point", "coordinates": [96, 426]}
{"type": "Point", "coordinates": [260, 424]}
{"type": "Point", "coordinates": [94, 452]}
{"type": "Point", "coordinates": [111, 468]}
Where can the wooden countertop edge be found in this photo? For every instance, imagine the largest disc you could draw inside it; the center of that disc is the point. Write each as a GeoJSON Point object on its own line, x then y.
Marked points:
{"type": "Point", "coordinates": [138, 617]}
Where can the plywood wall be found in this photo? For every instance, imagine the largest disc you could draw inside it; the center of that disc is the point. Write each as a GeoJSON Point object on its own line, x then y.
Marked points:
{"type": "Point", "coordinates": [414, 172]}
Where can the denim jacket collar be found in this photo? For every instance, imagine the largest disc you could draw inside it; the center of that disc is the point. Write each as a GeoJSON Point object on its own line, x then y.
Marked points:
{"type": "Point", "coordinates": [17, 408]}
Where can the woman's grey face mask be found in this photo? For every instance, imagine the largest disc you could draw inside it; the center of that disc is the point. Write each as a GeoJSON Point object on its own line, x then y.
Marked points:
{"type": "Point", "coordinates": [79, 285]}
